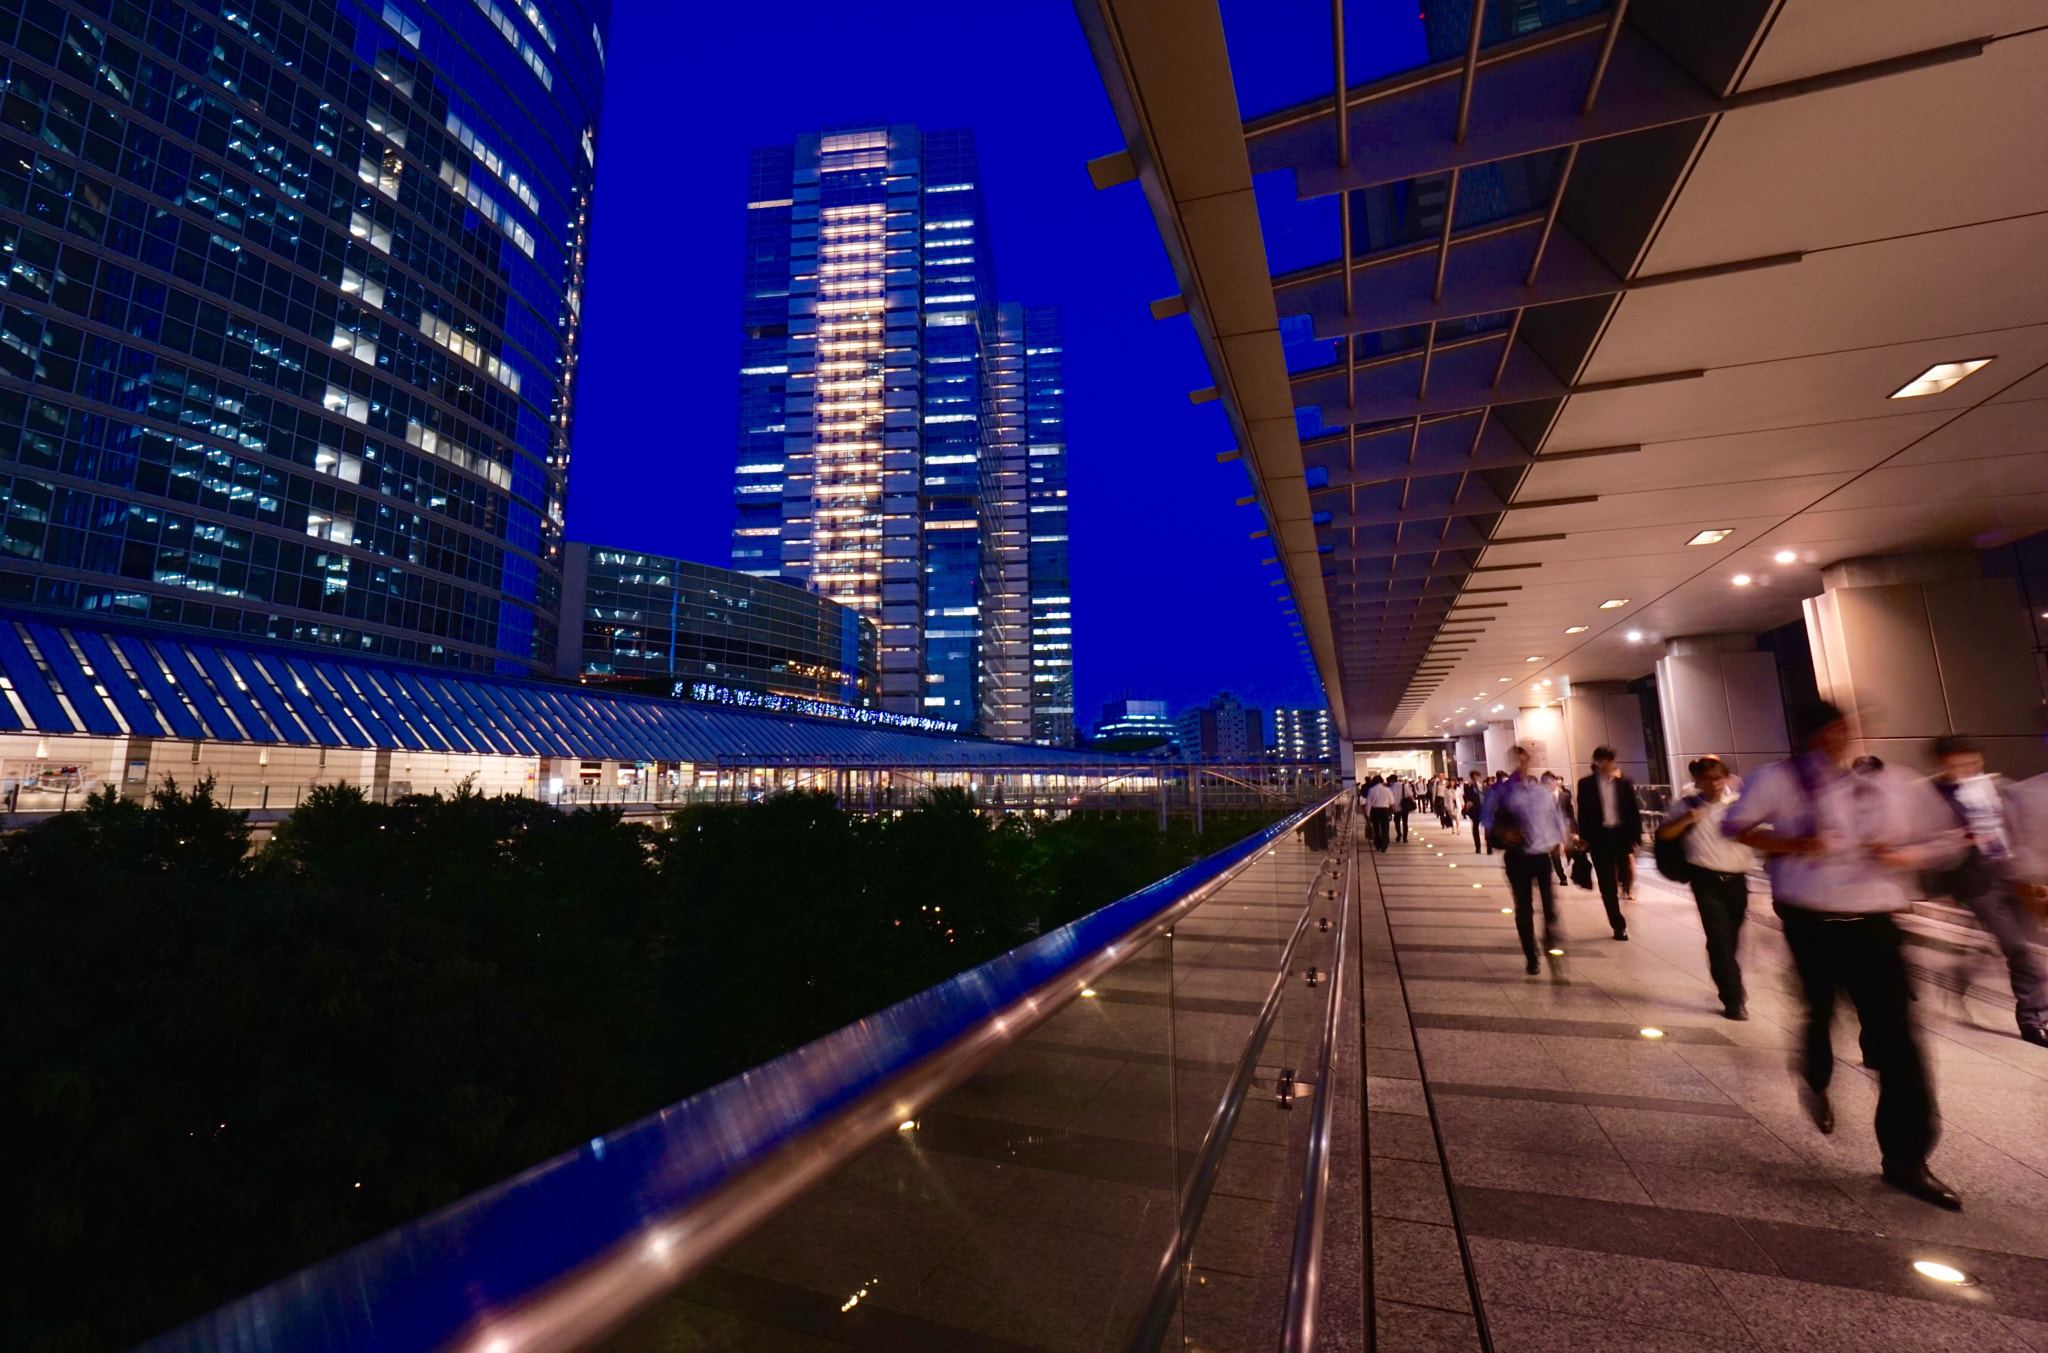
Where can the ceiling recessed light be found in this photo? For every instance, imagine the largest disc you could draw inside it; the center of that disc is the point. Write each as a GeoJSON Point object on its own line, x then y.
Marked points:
{"type": "Point", "coordinates": [1742, 580]}
{"type": "Point", "coordinates": [1498, 708]}
{"type": "Point", "coordinates": [1634, 636]}
{"type": "Point", "coordinates": [1534, 657]}
{"type": "Point", "coordinates": [1614, 604]}
{"type": "Point", "coordinates": [1939, 377]}
{"type": "Point", "coordinates": [1712, 537]}
{"type": "Point", "coordinates": [1786, 557]}
{"type": "Point", "coordinates": [1503, 678]}
{"type": "Point", "coordinates": [1575, 629]}
{"type": "Point", "coordinates": [1544, 682]}
{"type": "Point", "coordinates": [1469, 723]}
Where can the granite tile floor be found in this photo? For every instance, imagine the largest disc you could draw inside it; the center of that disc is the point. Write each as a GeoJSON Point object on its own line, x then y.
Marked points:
{"type": "Point", "coordinates": [1609, 1190]}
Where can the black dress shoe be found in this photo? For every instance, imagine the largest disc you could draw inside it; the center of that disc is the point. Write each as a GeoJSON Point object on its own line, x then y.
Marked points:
{"type": "Point", "coordinates": [1815, 1102]}
{"type": "Point", "coordinates": [2034, 1034]}
{"type": "Point", "coordinates": [1735, 1010]}
{"type": "Point", "coordinates": [1532, 967]}
{"type": "Point", "coordinates": [1621, 934]}
{"type": "Point", "coordinates": [1916, 1181]}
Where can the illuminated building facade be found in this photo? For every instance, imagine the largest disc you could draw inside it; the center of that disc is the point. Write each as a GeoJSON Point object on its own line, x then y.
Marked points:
{"type": "Point", "coordinates": [887, 443]}
{"type": "Point", "coordinates": [651, 624]}
{"type": "Point", "coordinates": [1303, 734]}
{"type": "Point", "coordinates": [290, 339]}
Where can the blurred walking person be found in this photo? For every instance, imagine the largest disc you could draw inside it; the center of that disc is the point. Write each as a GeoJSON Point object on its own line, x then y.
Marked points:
{"type": "Point", "coordinates": [1840, 845]}
{"type": "Point", "coordinates": [1718, 873]}
{"type": "Point", "coordinates": [1379, 809]}
{"type": "Point", "coordinates": [1611, 825]}
{"type": "Point", "coordinates": [1555, 785]}
{"type": "Point", "coordinates": [1523, 817]}
{"type": "Point", "coordinates": [1404, 804]}
{"type": "Point", "coordinates": [1472, 796]}
{"type": "Point", "coordinates": [1984, 880]}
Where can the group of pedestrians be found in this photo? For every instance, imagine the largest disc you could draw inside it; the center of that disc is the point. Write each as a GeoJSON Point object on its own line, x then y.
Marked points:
{"type": "Point", "coordinates": [1844, 841]}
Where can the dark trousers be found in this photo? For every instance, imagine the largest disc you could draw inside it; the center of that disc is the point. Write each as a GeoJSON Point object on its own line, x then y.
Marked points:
{"type": "Point", "coordinates": [1607, 865]}
{"type": "Point", "coordinates": [1527, 875]}
{"type": "Point", "coordinates": [1859, 954]}
{"type": "Point", "coordinates": [1401, 817]}
{"type": "Point", "coordinates": [1478, 843]}
{"type": "Point", "coordinates": [1723, 900]}
{"type": "Point", "coordinates": [2006, 919]}
{"type": "Point", "coordinates": [1381, 817]}
{"type": "Point", "coordinates": [1562, 876]}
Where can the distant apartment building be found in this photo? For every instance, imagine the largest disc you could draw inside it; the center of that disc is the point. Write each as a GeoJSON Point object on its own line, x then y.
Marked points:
{"type": "Point", "coordinates": [1303, 734]}
{"type": "Point", "coordinates": [1222, 730]}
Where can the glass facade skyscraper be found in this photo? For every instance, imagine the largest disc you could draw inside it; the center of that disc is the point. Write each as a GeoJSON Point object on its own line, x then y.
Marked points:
{"type": "Point", "coordinates": [901, 434]}
{"type": "Point", "coordinates": [290, 340]}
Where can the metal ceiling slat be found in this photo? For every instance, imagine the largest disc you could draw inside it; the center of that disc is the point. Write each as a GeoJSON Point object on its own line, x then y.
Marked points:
{"type": "Point", "coordinates": [310, 715]}
{"type": "Point", "coordinates": [127, 697]}
{"type": "Point", "coordinates": [198, 690]}
{"type": "Point", "coordinates": [338, 711]}
{"type": "Point", "coordinates": [238, 700]}
{"type": "Point", "coordinates": [30, 684]}
{"type": "Point", "coordinates": [143, 660]}
{"type": "Point", "coordinates": [283, 717]}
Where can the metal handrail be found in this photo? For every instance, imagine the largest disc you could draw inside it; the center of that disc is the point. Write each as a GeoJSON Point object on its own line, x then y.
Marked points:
{"type": "Point", "coordinates": [1305, 1274]}
{"type": "Point", "coordinates": [566, 1252]}
{"type": "Point", "coordinates": [1149, 1332]}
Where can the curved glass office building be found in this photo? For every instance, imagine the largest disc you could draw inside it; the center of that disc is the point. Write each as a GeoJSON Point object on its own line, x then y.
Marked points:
{"type": "Point", "coordinates": [289, 340]}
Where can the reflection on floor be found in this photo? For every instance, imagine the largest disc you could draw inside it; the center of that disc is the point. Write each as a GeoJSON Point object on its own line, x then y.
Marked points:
{"type": "Point", "coordinates": [1622, 1192]}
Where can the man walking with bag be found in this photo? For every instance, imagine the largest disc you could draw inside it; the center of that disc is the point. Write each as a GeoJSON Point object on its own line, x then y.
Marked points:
{"type": "Point", "coordinates": [1717, 869]}
{"type": "Point", "coordinates": [1840, 845]}
{"type": "Point", "coordinates": [1984, 879]}
{"type": "Point", "coordinates": [1611, 824]}
{"type": "Point", "coordinates": [1522, 816]}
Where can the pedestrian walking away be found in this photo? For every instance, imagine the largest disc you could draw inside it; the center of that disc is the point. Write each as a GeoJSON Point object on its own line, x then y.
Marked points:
{"type": "Point", "coordinates": [1840, 845]}
{"type": "Point", "coordinates": [1717, 869]}
{"type": "Point", "coordinates": [1404, 804]}
{"type": "Point", "coordinates": [1563, 796]}
{"type": "Point", "coordinates": [1611, 824]}
{"type": "Point", "coordinates": [1985, 879]}
{"type": "Point", "coordinates": [1379, 810]}
{"type": "Point", "coordinates": [1523, 818]}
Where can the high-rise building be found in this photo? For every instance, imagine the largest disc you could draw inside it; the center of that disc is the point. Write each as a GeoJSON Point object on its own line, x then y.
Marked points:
{"type": "Point", "coordinates": [901, 435]}
{"type": "Point", "coordinates": [666, 626]}
{"type": "Point", "coordinates": [290, 340]}
{"type": "Point", "coordinates": [1303, 734]}
{"type": "Point", "coordinates": [1222, 730]}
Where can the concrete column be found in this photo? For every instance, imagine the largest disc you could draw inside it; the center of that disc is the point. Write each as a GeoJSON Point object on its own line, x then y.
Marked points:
{"type": "Point", "coordinates": [1499, 744]}
{"type": "Point", "coordinates": [1605, 714]}
{"type": "Point", "coordinates": [1347, 754]}
{"type": "Point", "coordinates": [1720, 697]}
{"type": "Point", "coordinates": [1921, 645]}
{"type": "Point", "coordinates": [1540, 729]}
{"type": "Point", "coordinates": [1471, 754]}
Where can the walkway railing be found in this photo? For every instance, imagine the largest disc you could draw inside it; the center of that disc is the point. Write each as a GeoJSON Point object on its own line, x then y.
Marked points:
{"type": "Point", "coordinates": [561, 1256]}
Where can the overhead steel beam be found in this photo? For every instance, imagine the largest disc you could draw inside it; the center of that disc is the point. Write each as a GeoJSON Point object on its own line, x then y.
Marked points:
{"type": "Point", "coordinates": [1463, 378]}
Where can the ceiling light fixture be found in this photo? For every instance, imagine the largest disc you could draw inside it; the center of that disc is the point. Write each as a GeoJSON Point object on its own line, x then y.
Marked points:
{"type": "Point", "coordinates": [1712, 537]}
{"type": "Point", "coordinates": [1786, 557]}
{"type": "Point", "coordinates": [1575, 629]}
{"type": "Point", "coordinates": [1939, 377]}
{"type": "Point", "coordinates": [1534, 657]}
{"type": "Point", "coordinates": [1614, 603]}
{"type": "Point", "coordinates": [1634, 636]}
{"type": "Point", "coordinates": [1469, 723]}
{"type": "Point", "coordinates": [1742, 580]}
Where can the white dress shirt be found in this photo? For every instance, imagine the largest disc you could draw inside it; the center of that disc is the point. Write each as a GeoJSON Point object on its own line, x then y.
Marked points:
{"type": "Point", "coordinates": [1852, 813]}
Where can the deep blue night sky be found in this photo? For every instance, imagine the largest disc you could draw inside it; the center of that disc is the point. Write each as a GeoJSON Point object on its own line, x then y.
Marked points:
{"type": "Point", "coordinates": [1170, 599]}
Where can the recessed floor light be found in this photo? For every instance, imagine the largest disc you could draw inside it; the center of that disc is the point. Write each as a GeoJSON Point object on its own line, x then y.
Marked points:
{"type": "Point", "coordinates": [1939, 377]}
{"type": "Point", "coordinates": [1557, 953]}
{"type": "Point", "coordinates": [1614, 603]}
{"type": "Point", "coordinates": [1575, 629]}
{"type": "Point", "coordinates": [1653, 1033]}
{"type": "Point", "coordinates": [1713, 537]}
{"type": "Point", "coordinates": [1942, 1273]}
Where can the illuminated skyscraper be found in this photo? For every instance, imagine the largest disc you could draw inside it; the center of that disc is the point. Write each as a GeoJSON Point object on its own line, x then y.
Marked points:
{"type": "Point", "coordinates": [291, 335]}
{"type": "Point", "coordinates": [900, 433]}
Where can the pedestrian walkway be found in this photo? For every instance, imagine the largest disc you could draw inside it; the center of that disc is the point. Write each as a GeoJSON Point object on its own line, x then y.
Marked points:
{"type": "Point", "coordinates": [1627, 1170]}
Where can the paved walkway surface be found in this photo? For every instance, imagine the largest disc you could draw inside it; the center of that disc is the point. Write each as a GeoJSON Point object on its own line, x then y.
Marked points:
{"type": "Point", "coordinates": [1608, 1190]}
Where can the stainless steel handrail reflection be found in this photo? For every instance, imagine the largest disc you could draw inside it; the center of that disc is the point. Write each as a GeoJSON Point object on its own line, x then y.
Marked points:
{"type": "Point", "coordinates": [1305, 1274]}
{"type": "Point", "coordinates": [1150, 1330]}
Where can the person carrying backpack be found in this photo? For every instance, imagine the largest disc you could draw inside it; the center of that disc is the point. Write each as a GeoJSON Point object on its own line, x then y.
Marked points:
{"type": "Point", "coordinates": [1692, 849]}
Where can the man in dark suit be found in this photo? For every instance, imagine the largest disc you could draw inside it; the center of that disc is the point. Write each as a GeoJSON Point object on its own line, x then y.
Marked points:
{"type": "Point", "coordinates": [1611, 824]}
